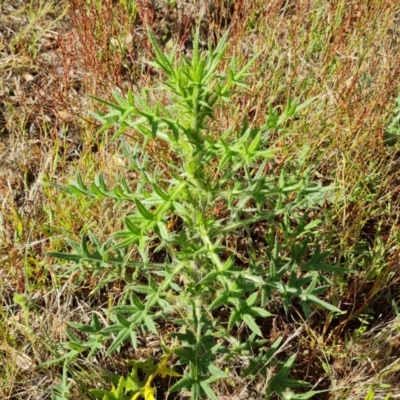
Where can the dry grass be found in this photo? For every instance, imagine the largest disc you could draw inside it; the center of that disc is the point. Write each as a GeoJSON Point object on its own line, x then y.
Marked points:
{"type": "Point", "coordinates": [344, 53]}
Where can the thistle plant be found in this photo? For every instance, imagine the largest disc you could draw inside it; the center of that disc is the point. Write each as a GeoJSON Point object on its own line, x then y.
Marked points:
{"type": "Point", "coordinates": [392, 132]}
{"type": "Point", "coordinates": [179, 252]}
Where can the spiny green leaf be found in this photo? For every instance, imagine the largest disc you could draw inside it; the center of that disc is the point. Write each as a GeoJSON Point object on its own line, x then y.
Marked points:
{"type": "Point", "coordinates": [185, 383]}
{"type": "Point", "coordinates": [251, 323]}
{"type": "Point", "coordinates": [316, 300]}
{"type": "Point", "coordinates": [143, 211]}
{"type": "Point", "coordinates": [208, 391]}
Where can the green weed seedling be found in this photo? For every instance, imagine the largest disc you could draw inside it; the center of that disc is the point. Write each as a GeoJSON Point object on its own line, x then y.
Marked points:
{"type": "Point", "coordinates": [188, 252]}
{"type": "Point", "coordinates": [131, 387]}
